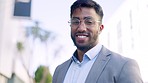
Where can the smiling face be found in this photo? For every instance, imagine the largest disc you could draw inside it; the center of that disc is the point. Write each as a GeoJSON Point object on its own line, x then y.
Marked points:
{"type": "Point", "coordinates": [85, 36]}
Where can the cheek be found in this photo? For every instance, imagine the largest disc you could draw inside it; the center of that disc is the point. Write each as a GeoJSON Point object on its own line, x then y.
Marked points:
{"type": "Point", "coordinates": [96, 31]}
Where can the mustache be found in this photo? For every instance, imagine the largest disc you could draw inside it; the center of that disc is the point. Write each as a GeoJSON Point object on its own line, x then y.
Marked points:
{"type": "Point", "coordinates": [82, 33]}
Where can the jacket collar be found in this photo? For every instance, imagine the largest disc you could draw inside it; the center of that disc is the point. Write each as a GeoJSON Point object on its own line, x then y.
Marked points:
{"type": "Point", "coordinates": [98, 66]}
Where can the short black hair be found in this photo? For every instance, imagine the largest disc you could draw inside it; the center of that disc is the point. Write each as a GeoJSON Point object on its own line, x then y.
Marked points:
{"type": "Point", "coordinates": [88, 4]}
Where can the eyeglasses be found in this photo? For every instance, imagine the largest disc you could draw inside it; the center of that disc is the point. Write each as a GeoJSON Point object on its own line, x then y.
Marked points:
{"type": "Point", "coordinates": [89, 22]}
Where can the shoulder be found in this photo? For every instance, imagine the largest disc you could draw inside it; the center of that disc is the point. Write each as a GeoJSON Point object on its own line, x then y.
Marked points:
{"type": "Point", "coordinates": [121, 59]}
{"type": "Point", "coordinates": [124, 69]}
{"type": "Point", "coordinates": [124, 65]}
{"type": "Point", "coordinates": [64, 64]}
{"type": "Point", "coordinates": [117, 59]}
{"type": "Point", "coordinates": [115, 56]}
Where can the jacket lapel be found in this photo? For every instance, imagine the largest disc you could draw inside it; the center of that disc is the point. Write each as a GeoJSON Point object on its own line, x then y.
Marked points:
{"type": "Point", "coordinates": [98, 66]}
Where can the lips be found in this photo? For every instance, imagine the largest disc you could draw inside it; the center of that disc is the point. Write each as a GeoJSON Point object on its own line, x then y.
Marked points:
{"type": "Point", "coordinates": [82, 34]}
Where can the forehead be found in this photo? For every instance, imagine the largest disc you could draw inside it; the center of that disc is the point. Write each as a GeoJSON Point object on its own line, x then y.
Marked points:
{"type": "Point", "coordinates": [85, 12]}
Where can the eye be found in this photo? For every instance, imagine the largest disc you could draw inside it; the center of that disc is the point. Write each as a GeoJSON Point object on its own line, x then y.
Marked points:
{"type": "Point", "coordinates": [75, 22]}
{"type": "Point", "coordinates": [89, 22]}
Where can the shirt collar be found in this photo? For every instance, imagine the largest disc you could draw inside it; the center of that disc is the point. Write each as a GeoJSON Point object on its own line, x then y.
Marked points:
{"type": "Point", "coordinates": [94, 51]}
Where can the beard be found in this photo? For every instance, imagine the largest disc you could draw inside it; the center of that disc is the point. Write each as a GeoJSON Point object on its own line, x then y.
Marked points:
{"type": "Point", "coordinates": [93, 40]}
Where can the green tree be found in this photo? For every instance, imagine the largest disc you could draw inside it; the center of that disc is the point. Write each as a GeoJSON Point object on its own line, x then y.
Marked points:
{"type": "Point", "coordinates": [42, 75]}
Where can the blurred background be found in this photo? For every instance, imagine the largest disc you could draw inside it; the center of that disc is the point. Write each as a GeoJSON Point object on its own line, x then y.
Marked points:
{"type": "Point", "coordinates": [35, 35]}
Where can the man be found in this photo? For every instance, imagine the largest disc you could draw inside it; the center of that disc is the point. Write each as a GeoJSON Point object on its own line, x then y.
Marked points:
{"type": "Point", "coordinates": [92, 62]}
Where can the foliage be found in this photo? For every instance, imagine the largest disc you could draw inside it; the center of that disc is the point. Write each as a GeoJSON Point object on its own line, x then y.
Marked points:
{"type": "Point", "coordinates": [20, 46]}
{"type": "Point", "coordinates": [48, 78]}
{"type": "Point", "coordinates": [39, 74]}
{"type": "Point", "coordinates": [42, 75]}
{"type": "Point", "coordinates": [37, 32]}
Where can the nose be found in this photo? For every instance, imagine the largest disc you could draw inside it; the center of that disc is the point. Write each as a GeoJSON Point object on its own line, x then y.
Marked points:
{"type": "Point", "coordinates": [82, 26]}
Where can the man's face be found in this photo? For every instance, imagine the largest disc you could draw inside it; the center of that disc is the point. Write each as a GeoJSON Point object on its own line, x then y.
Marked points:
{"type": "Point", "coordinates": [85, 28]}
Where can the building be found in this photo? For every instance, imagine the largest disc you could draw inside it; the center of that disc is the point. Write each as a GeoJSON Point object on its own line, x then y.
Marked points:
{"type": "Point", "coordinates": [11, 67]}
{"type": "Point", "coordinates": [127, 32]}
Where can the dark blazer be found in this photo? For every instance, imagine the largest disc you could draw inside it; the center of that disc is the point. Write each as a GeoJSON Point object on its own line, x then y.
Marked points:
{"type": "Point", "coordinates": [109, 67]}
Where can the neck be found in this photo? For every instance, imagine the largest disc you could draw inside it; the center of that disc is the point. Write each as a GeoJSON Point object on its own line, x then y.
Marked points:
{"type": "Point", "coordinates": [80, 55]}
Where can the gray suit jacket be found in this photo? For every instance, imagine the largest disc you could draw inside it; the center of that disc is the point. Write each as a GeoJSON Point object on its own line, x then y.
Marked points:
{"type": "Point", "coordinates": [109, 67]}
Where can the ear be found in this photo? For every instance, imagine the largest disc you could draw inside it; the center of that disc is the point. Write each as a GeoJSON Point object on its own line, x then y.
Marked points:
{"type": "Point", "coordinates": [101, 27]}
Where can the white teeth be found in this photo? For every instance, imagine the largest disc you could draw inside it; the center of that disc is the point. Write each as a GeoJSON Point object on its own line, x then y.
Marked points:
{"type": "Point", "coordinates": [81, 36]}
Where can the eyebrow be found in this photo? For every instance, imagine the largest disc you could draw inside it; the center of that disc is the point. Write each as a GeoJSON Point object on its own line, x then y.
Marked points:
{"type": "Point", "coordinates": [88, 17]}
{"type": "Point", "coordinates": [75, 18]}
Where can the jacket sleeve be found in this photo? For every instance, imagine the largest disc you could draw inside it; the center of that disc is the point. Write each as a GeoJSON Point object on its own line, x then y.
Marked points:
{"type": "Point", "coordinates": [130, 73]}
